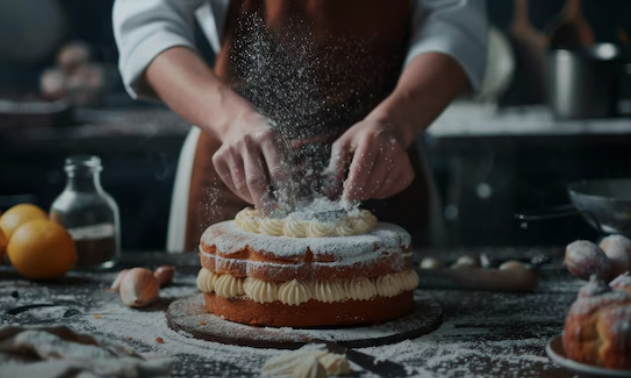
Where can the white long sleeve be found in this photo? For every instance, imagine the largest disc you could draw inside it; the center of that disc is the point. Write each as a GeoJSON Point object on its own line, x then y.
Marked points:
{"type": "Point", "coordinates": [145, 28]}
{"type": "Point", "coordinates": [457, 28]}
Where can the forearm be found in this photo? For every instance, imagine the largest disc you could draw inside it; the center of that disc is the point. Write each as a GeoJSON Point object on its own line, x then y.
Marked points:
{"type": "Point", "coordinates": [427, 85]}
{"type": "Point", "coordinates": [189, 87]}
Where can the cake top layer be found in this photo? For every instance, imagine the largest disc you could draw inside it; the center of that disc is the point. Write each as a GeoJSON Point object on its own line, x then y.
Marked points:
{"type": "Point", "coordinates": [308, 223]}
{"type": "Point", "coordinates": [228, 238]}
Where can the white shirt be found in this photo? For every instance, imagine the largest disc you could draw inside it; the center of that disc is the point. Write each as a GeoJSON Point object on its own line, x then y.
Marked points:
{"type": "Point", "coordinates": [145, 28]}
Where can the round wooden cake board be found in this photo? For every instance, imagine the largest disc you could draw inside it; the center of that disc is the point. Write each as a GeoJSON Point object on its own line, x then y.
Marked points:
{"type": "Point", "coordinates": [190, 316]}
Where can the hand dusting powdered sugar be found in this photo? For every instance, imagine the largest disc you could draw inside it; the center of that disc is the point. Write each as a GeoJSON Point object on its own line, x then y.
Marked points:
{"type": "Point", "coordinates": [312, 88]}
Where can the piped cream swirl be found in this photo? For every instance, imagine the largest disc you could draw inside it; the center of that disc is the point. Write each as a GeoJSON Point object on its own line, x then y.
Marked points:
{"type": "Point", "coordinates": [295, 228]}
{"type": "Point", "coordinates": [260, 291]}
{"type": "Point", "coordinates": [228, 286]}
{"type": "Point", "coordinates": [360, 289]}
{"type": "Point", "coordinates": [272, 226]}
{"type": "Point", "coordinates": [320, 229]}
{"type": "Point", "coordinates": [206, 280]}
{"type": "Point", "coordinates": [409, 279]}
{"type": "Point", "coordinates": [355, 222]}
{"type": "Point", "coordinates": [296, 292]}
{"type": "Point", "coordinates": [329, 291]}
{"type": "Point", "coordinates": [388, 286]}
{"type": "Point", "coordinates": [248, 219]}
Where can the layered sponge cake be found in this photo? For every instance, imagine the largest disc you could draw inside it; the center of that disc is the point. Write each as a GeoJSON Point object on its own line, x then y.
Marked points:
{"type": "Point", "coordinates": [305, 272]}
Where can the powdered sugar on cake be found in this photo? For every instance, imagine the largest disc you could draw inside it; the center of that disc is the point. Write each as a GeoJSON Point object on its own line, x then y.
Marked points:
{"type": "Point", "coordinates": [228, 238]}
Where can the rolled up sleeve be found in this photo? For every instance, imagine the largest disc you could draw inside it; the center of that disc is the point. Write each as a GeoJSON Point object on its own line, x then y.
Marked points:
{"type": "Point", "coordinates": [145, 28]}
{"type": "Point", "coordinates": [457, 28]}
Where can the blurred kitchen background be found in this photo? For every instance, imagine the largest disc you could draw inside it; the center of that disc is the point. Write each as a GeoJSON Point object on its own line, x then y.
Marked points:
{"type": "Point", "coordinates": [554, 109]}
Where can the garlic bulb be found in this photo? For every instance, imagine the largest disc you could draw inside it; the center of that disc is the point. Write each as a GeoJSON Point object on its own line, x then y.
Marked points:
{"type": "Point", "coordinates": [139, 288]}
{"type": "Point", "coordinates": [117, 282]}
{"type": "Point", "coordinates": [286, 362]}
{"type": "Point", "coordinates": [309, 368]}
{"type": "Point", "coordinates": [165, 274]}
{"type": "Point", "coordinates": [335, 364]}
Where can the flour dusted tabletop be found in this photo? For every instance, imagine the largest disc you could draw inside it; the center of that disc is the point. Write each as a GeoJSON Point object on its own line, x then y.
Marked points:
{"type": "Point", "coordinates": [488, 334]}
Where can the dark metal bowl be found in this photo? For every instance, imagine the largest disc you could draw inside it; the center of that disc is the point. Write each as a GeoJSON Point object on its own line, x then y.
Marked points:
{"type": "Point", "coordinates": [604, 204]}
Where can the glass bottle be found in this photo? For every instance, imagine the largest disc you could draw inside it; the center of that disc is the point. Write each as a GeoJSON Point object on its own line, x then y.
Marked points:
{"type": "Point", "coordinates": [88, 213]}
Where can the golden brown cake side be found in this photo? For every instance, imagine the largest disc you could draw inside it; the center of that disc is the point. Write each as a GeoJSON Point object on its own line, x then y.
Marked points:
{"type": "Point", "coordinates": [312, 313]}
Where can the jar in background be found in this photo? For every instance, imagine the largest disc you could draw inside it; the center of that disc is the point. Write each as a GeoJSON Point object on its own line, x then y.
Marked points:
{"type": "Point", "coordinates": [88, 213]}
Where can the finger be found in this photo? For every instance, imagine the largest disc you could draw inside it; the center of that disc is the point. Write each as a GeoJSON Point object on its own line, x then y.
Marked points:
{"type": "Point", "coordinates": [337, 170]}
{"type": "Point", "coordinates": [360, 170]}
{"type": "Point", "coordinates": [230, 172]}
{"type": "Point", "coordinates": [256, 178]}
{"type": "Point", "coordinates": [237, 172]}
{"type": "Point", "coordinates": [223, 171]}
{"type": "Point", "coordinates": [271, 150]}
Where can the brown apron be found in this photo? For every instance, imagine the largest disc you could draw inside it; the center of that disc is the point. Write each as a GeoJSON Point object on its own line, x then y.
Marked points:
{"type": "Point", "coordinates": [316, 67]}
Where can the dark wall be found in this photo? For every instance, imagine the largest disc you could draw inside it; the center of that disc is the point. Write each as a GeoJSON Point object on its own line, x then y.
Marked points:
{"type": "Point", "coordinates": [91, 21]}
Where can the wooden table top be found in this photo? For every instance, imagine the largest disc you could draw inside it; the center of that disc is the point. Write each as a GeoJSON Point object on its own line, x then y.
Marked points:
{"type": "Point", "coordinates": [490, 334]}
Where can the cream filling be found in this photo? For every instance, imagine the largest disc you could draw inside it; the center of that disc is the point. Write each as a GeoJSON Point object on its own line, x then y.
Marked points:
{"type": "Point", "coordinates": [206, 280]}
{"type": "Point", "coordinates": [260, 291]}
{"type": "Point", "coordinates": [356, 222]}
{"type": "Point", "coordinates": [296, 292]}
{"type": "Point", "coordinates": [228, 286]}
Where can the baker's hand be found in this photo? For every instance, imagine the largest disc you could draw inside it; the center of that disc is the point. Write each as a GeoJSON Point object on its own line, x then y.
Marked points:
{"type": "Point", "coordinates": [379, 165]}
{"type": "Point", "coordinates": [250, 159]}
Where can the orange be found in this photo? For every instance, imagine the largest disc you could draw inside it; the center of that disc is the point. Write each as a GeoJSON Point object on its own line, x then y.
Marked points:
{"type": "Point", "coordinates": [41, 249]}
{"type": "Point", "coordinates": [3, 245]}
{"type": "Point", "coordinates": [18, 215]}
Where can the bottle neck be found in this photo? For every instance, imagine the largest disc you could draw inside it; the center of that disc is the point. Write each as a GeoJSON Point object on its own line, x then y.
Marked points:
{"type": "Point", "coordinates": [84, 181]}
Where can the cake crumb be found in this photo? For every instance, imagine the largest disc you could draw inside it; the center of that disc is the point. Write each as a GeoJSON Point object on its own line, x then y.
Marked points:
{"type": "Point", "coordinates": [97, 316]}
{"type": "Point", "coordinates": [159, 340]}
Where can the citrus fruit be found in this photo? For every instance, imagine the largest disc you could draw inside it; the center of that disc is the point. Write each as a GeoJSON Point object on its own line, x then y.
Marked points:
{"type": "Point", "coordinates": [3, 245]}
{"type": "Point", "coordinates": [18, 215]}
{"type": "Point", "coordinates": [41, 249]}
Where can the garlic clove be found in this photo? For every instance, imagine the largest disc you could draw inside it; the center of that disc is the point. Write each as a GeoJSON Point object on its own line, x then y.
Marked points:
{"type": "Point", "coordinates": [117, 282]}
{"type": "Point", "coordinates": [512, 264]}
{"type": "Point", "coordinates": [285, 363]}
{"type": "Point", "coordinates": [335, 364]}
{"type": "Point", "coordinates": [467, 262]}
{"type": "Point", "coordinates": [431, 263]}
{"type": "Point", "coordinates": [165, 274]}
{"type": "Point", "coordinates": [139, 288]}
{"type": "Point", "coordinates": [309, 368]}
